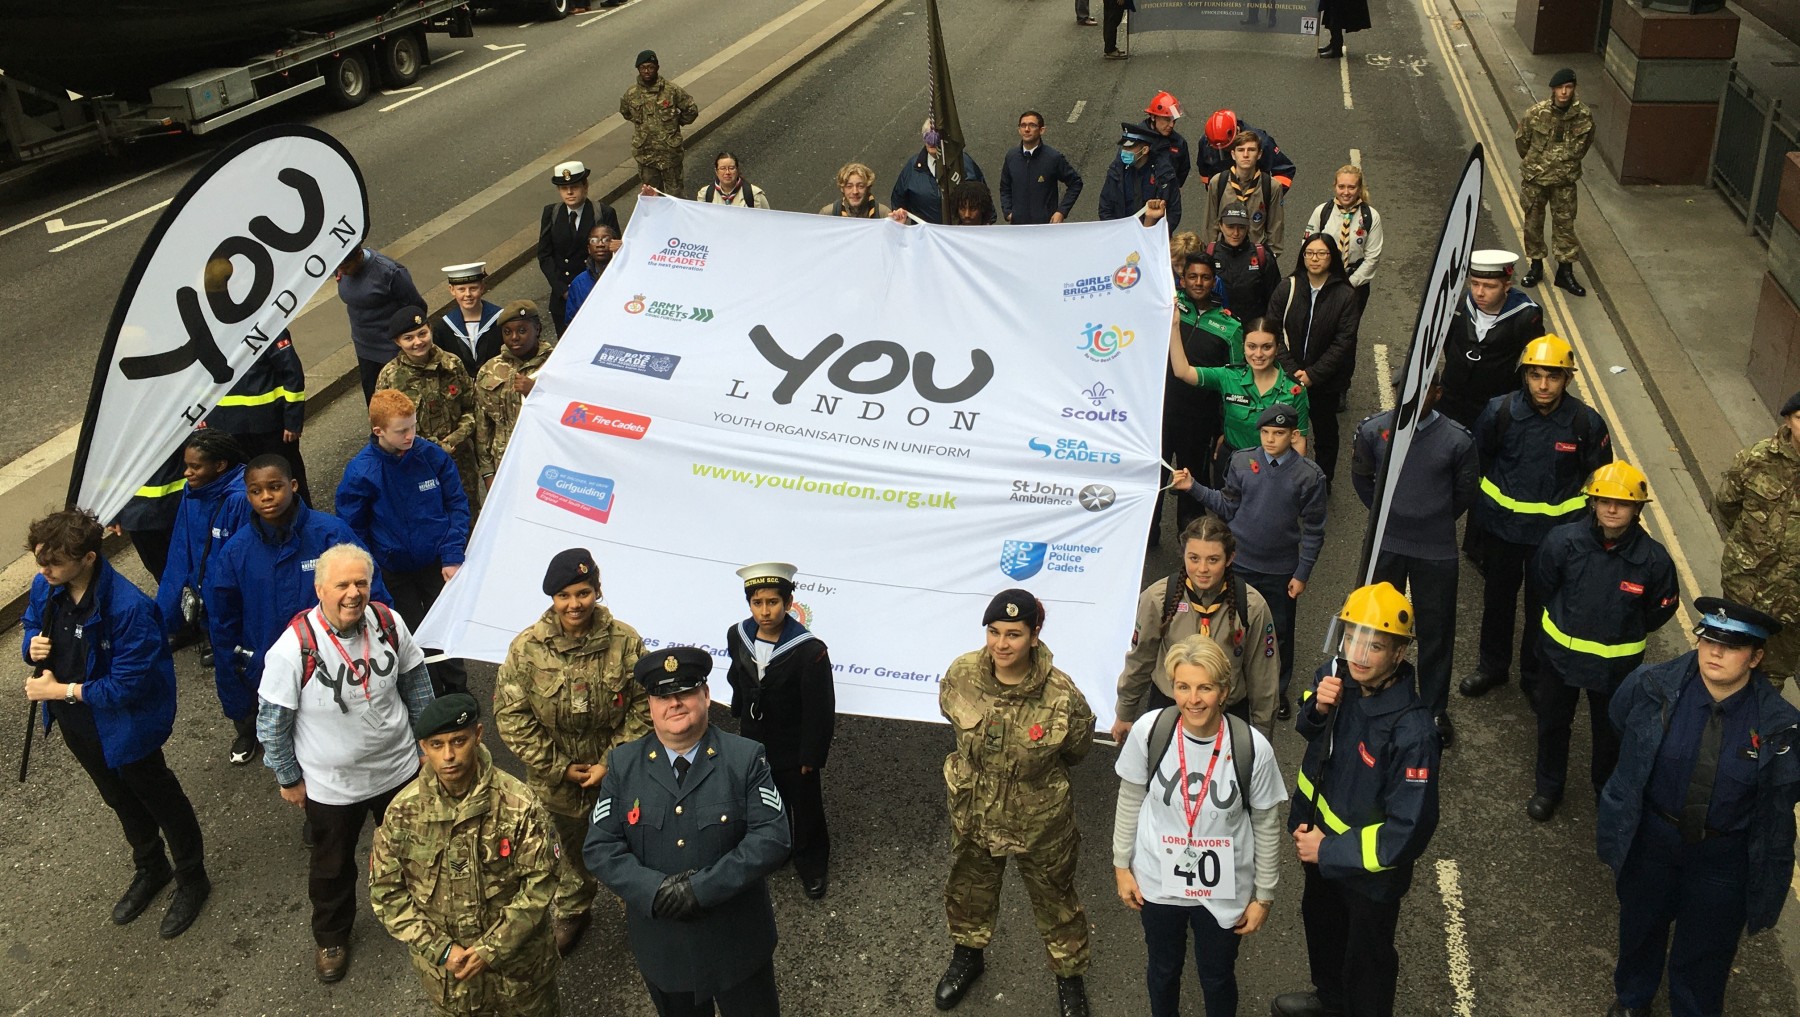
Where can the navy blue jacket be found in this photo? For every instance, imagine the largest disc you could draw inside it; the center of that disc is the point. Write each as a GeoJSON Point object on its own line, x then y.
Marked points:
{"type": "Point", "coordinates": [1477, 371]}
{"type": "Point", "coordinates": [1028, 185]}
{"type": "Point", "coordinates": [1599, 602]}
{"type": "Point", "coordinates": [269, 397]}
{"type": "Point", "coordinates": [1533, 465]}
{"type": "Point", "coordinates": [1212, 161]}
{"type": "Point", "coordinates": [206, 518]}
{"type": "Point", "coordinates": [371, 297]}
{"type": "Point", "coordinates": [1127, 188]}
{"type": "Point", "coordinates": [916, 190]}
{"type": "Point", "coordinates": [1247, 276]}
{"type": "Point", "coordinates": [1277, 513]}
{"type": "Point", "coordinates": [1176, 148]}
{"type": "Point", "coordinates": [130, 683]}
{"type": "Point", "coordinates": [409, 509]}
{"type": "Point", "coordinates": [1378, 801]}
{"type": "Point", "coordinates": [259, 581]}
{"type": "Point", "coordinates": [1437, 485]}
{"type": "Point", "coordinates": [792, 707]}
{"type": "Point", "coordinates": [1640, 713]}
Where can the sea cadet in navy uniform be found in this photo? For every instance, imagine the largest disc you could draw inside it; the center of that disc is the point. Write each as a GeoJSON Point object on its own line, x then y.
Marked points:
{"type": "Point", "coordinates": [563, 232]}
{"type": "Point", "coordinates": [1697, 822]}
{"type": "Point", "coordinates": [471, 328]}
{"type": "Point", "coordinates": [687, 828]}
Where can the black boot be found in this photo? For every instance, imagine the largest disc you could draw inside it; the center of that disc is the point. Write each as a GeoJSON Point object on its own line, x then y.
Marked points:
{"type": "Point", "coordinates": [1541, 807]}
{"type": "Point", "coordinates": [143, 889]}
{"type": "Point", "coordinates": [245, 745]}
{"type": "Point", "coordinates": [1619, 1009]}
{"type": "Point", "coordinates": [1300, 1004]}
{"type": "Point", "coordinates": [966, 965]}
{"type": "Point", "coordinates": [1565, 280]}
{"type": "Point", "coordinates": [190, 897]}
{"type": "Point", "coordinates": [1071, 996]}
{"type": "Point", "coordinates": [1534, 274]}
{"type": "Point", "coordinates": [1335, 48]}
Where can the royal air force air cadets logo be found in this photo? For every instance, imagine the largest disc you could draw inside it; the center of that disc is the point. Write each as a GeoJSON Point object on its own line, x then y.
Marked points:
{"type": "Point", "coordinates": [770, 797]}
{"type": "Point", "coordinates": [1022, 559]}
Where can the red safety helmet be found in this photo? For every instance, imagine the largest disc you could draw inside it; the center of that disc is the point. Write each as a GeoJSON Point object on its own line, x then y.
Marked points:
{"type": "Point", "coordinates": [1164, 105]}
{"type": "Point", "coordinates": [1221, 127]}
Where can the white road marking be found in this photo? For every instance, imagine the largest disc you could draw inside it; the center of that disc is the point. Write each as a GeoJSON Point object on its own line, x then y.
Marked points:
{"type": "Point", "coordinates": [97, 194]}
{"type": "Point", "coordinates": [58, 226]}
{"type": "Point", "coordinates": [1382, 373]}
{"type": "Point", "coordinates": [452, 81]}
{"type": "Point", "coordinates": [1075, 114]}
{"type": "Point", "coordinates": [443, 57]}
{"type": "Point", "coordinates": [497, 47]}
{"type": "Point", "coordinates": [609, 12]}
{"type": "Point", "coordinates": [528, 24]}
{"type": "Point", "coordinates": [401, 91]}
{"type": "Point", "coordinates": [1356, 157]}
{"type": "Point", "coordinates": [109, 227]}
{"type": "Point", "coordinates": [1344, 75]}
{"type": "Point", "coordinates": [1462, 982]}
{"type": "Point", "coordinates": [40, 998]}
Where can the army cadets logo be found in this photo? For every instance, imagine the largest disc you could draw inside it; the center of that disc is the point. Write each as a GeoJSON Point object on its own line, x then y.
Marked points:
{"type": "Point", "coordinates": [635, 305]}
{"type": "Point", "coordinates": [1012, 610]}
{"type": "Point", "coordinates": [667, 310]}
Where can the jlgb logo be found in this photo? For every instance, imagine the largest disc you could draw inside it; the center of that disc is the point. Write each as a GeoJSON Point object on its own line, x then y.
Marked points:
{"type": "Point", "coordinates": [1104, 342]}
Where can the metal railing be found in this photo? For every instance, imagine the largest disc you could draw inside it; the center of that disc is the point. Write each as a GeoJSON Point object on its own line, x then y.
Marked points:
{"type": "Point", "coordinates": [1753, 139]}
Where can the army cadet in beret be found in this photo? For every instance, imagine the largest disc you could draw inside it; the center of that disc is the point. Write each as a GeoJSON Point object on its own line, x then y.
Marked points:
{"type": "Point", "coordinates": [504, 381]}
{"type": "Point", "coordinates": [660, 109]}
{"type": "Point", "coordinates": [1697, 820]}
{"type": "Point", "coordinates": [462, 872]}
{"type": "Point", "coordinates": [563, 699]}
{"type": "Point", "coordinates": [1019, 724]}
{"type": "Point", "coordinates": [687, 829]}
{"type": "Point", "coordinates": [1759, 500]}
{"type": "Point", "coordinates": [439, 386]}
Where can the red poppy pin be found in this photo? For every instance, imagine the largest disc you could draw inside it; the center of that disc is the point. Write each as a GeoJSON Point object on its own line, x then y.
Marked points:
{"type": "Point", "coordinates": [451, 391]}
{"type": "Point", "coordinates": [1036, 732]}
{"type": "Point", "coordinates": [1755, 740]}
{"type": "Point", "coordinates": [1255, 467]}
{"type": "Point", "coordinates": [619, 698]}
{"type": "Point", "coordinates": [505, 848]}
{"type": "Point", "coordinates": [632, 816]}
{"type": "Point", "coordinates": [1294, 391]}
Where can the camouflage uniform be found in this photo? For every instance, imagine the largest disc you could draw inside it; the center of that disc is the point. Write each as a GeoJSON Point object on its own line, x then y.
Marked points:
{"type": "Point", "coordinates": [659, 111]}
{"type": "Point", "coordinates": [476, 871]}
{"type": "Point", "coordinates": [562, 699]}
{"type": "Point", "coordinates": [1759, 499]}
{"type": "Point", "coordinates": [497, 405]}
{"type": "Point", "coordinates": [446, 401]}
{"type": "Point", "coordinates": [1009, 795]}
{"type": "Point", "coordinates": [1551, 143]}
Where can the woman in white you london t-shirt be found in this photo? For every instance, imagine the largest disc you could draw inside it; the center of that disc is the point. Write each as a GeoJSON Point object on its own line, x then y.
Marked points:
{"type": "Point", "coordinates": [1192, 849]}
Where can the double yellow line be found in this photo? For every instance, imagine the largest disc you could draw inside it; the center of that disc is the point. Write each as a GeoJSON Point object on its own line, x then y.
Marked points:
{"type": "Point", "coordinates": [1587, 383]}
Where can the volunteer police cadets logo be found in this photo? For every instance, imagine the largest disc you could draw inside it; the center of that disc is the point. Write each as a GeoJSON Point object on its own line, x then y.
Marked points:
{"type": "Point", "coordinates": [1022, 559]}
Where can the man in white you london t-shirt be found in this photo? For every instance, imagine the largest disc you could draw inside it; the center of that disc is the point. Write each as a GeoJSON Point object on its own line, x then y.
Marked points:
{"type": "Point", "coordinates": [340, 690]}
{"type": "Point", "coordinates": [1192, 848]}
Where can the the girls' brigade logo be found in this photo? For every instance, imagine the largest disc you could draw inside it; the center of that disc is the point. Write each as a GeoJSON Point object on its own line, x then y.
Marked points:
{"type": "Point", "coordinates": [1127, 275]}
{"type": "Point", "coordinates": [635, 305]}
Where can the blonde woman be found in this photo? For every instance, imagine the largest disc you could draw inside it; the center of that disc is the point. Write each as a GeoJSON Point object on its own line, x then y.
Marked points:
{"type": "Point", "coordinates": [1354, 225]}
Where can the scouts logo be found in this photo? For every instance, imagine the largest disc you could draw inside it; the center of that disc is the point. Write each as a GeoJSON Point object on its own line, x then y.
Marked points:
{"type": "Point", "coordinates": [635, 305]}
{"type": "Point", "coordinates": [1022, 559]}
{"type": "Point", "coordinates": [1127, 275]}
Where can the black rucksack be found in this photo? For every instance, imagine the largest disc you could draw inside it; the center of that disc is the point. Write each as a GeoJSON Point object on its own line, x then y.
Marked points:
{"type": "Point", "coordinates": [1162, 732]}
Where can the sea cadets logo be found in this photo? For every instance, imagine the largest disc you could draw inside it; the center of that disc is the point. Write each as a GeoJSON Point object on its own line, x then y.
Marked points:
{"type": "Point", "coordinates": [667, 310]}
{"type": "Point", "coordinates": [647, 363]}
{"type": "Point", "coordinates": [1022, 559]}
{"type": "Point", "coordinates": [682, 254]}
{"type": "Point", "coordinates": [1101, 343]}
{"type": "Point", "coordinates": [1073, 450]}
{"type": "Point", "coordinates": [587, 496]}
{"type": "Point", "coordinates": [1122, 278]}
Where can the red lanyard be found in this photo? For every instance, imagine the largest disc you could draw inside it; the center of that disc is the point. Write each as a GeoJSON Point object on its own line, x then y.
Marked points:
{"type": "Point", "coordinates": [368, 671]}
{"type": "Point", "coordinates": [1192, 813]}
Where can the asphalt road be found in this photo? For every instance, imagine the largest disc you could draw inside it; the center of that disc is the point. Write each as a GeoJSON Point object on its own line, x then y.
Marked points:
{"type": "Point", "coordinates": [1506, 917]}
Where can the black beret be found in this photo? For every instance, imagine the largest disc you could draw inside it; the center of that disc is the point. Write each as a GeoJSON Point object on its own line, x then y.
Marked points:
{"type": "Point", "coordinates": [406, 319]}
{"type": "Point", "coordinates": [647, 57]}
{"type": "Point", "coordinates": [1733, 624]}
{"type": "Point", "coordinates": [1566, 76]}
{"type": "Point", "coordinates": [1015, 605]}
{"type": "Point", "coordinates": [451, 713]}
{"type": "Point", "coordinates": [1792, 404]}
{"type": "Point", "coordinates": [1279, 415]}
{"type": "Point", "coordinates": [676, 669]}
{"type": "Point", "coordinates": [569, 567]}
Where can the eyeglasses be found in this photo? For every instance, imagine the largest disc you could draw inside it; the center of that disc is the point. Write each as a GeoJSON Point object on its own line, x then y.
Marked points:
{"type": "Point", "coordinates": [598, 240]}
{"type": "Point", "coordinates": [1318, 254]}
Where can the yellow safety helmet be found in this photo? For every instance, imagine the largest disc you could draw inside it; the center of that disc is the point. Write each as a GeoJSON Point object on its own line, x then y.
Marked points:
{"type": "Point", "coordinates": [1619, 481]}
{"type": "Point", "coordinates": [1379, 607]}
{"type": "Point", "coordinates": [1548, 350]}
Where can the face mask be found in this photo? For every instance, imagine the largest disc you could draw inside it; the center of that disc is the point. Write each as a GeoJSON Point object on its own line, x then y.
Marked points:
{"type": "Point", "coordinates": [1127, 156]}
{"type": "Point", "coordinates": [932, 138]}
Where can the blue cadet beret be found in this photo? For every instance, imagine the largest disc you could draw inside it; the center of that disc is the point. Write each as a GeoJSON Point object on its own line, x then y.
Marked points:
{"type": "Point", "coordinates": [1015, 605]}
{"type": "Point", "coordinates": [406, 319]}
{"type": "Point", "coordinates": [1733, 624]}
{"type": "Point", "coordinates": [674, 669]}
{"type": "Point", "coordinates": [569, 567]}
{"type": "Point", "coordinates": [1279, 415]}
{"type": "Point", "coordinates": [1566, 76]}
{"type": "Point", "coordinates": [451, 713]}
{"type": "Point", "coordinates": [1792, 404]}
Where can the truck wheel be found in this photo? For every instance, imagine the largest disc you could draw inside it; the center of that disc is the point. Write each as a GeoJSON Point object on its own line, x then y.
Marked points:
{"type": "Point", "coordinates": [402, 57]}
{"type": "Point", "coordinates": [347, 82]}
{"type": "Point", "coordinates": [553, 10]}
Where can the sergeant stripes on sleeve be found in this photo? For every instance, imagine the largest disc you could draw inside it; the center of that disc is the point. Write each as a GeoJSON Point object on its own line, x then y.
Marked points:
{"type": "Point", "coordinates": [770, 797]}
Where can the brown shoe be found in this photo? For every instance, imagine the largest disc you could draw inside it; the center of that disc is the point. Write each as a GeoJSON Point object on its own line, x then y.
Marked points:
{"type": "Point", "coordinates": [568, 931]}
{"type": "Point", "coordinates": [331, 962]}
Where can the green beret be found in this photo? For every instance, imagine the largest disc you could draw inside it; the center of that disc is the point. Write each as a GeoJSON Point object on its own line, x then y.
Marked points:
{"type": "Point", "coordinates": [451, 713]}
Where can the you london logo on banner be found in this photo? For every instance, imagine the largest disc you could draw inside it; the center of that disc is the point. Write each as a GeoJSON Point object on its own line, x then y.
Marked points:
{"type": "Point", "coordinates": [224, 271]}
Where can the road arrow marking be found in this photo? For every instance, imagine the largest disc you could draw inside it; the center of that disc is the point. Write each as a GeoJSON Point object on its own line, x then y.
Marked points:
{"type": "Point", "coordinates": [58, 226]}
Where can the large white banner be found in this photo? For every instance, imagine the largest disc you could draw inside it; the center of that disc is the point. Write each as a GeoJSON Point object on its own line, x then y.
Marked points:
{"type": "Point", "coordinates": [282, 206]}
{"type": "Point", "coordinates": [916, 416]}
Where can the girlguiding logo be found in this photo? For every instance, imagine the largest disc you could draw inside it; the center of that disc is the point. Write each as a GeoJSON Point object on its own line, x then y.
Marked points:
{"type": "Point", "coordinates": [584, 495]}
{"type": "Point", "coordinates": [1101, 343]}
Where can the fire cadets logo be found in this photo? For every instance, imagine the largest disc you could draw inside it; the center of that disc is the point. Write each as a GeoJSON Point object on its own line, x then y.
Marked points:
{"type": "Point", "coordinates": [602, 420]}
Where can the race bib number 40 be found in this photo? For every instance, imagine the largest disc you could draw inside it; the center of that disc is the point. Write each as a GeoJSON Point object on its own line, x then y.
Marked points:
{"type": "Point", "coordinates": [1206, 869]}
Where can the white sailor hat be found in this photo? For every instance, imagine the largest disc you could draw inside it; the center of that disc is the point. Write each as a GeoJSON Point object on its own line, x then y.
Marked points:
{"type": "Point", "coordinates": [1492, 264]}
{"type": "Point", "coordinates": [768, 573]}
{"type": "Point", "coordinates": [474, 271]}
{"type": "Point", "coordinates": [571, 172]}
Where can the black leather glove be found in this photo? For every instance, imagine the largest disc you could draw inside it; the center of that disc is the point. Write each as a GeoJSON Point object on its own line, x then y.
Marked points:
{"type": "Point", "coordinates": [675, 899]}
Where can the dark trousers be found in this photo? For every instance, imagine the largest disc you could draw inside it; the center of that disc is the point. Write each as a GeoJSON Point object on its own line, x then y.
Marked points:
{"type": "Point", "coordinates": [368, 371]}
{"type": "Point", "coordinates": [1699, 890]}
{"type": "Point", "coordinates": [1434, 603]}
{"type": "Point", "coordinates": [1323, 443]}
{"type": "Point", "coordinates": [145, 795]}
{"type": "Point", "coordinates": [804, 795]}
{"type": "Point", "coordinates": [1350, 947]}
{"type": "Point", "coordinates": [1503, 572]}
{"type": "Point", "coordinates": [1555, 704]}
{"type": "Point", "coordinates": [414, 593]}
{"type": "Point", "coordinates": [1109, 23]}
{"type": "Point", "coordinates": [1215, 959]}
{"type": "Point", "coordinates": [1281, 606]}
{"type": "Point", "coordinates": [1081, 10]}
{"type": "Point", "coordinates": [152, 548]}
{"type": "Point", "coordinates": [753, 997]}
{"type": "Point", "coordinates": [331, 882]}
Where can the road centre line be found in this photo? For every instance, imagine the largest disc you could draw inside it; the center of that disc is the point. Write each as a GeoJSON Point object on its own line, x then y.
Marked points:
{"type": "Point", "coordinates": [99, 194]}
{"type": "Point", "coordinates": [1356, 157]}
{"type": "Point", "coordinates": [1381, 374]}
{"type": "Point", "coordinates": [605, 14]}
{"type": "Point", "coordinates": [1344, 74]}
{"type": "Point", "coordinates": [1555, 308]}
{"type": "Point", "coordinates": [109, 227]}
{"type": "Point", "coordinates": [452, 81]}
{"type": "Point", "coordinates": [446, 56]}
{"type": "Point", "coordinates": [1456, 942]}
{"type": "Point", "coordinates": [1075, 114]}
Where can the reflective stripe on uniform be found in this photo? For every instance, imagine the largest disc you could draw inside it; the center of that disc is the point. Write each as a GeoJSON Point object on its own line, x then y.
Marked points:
{"type": "Point", "coordinates": [161, 490]}
{"type": "Point", "coordinates": [1530, 508]}
{"type": "Point", "coordinates": [1332, 822]}
{"type": "Point", "coordinates": [277, 394]}
{"type": "Point", "coordinates": [1370, 859]}
{"type": "Point", "coordinates": [1608, 650]}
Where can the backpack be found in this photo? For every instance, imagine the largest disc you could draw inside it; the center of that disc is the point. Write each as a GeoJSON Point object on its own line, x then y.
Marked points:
{"type": "Point", "coordinates": [310, 658]}
{"type": "Point", "coordinates": [1260, 252]}
{"type": "Point", "coordinates": [1162, 732]}
{"type": "Point", "coordinates": [1318, 223]}
{"type": "Point", "coordinates": [745, 189]}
